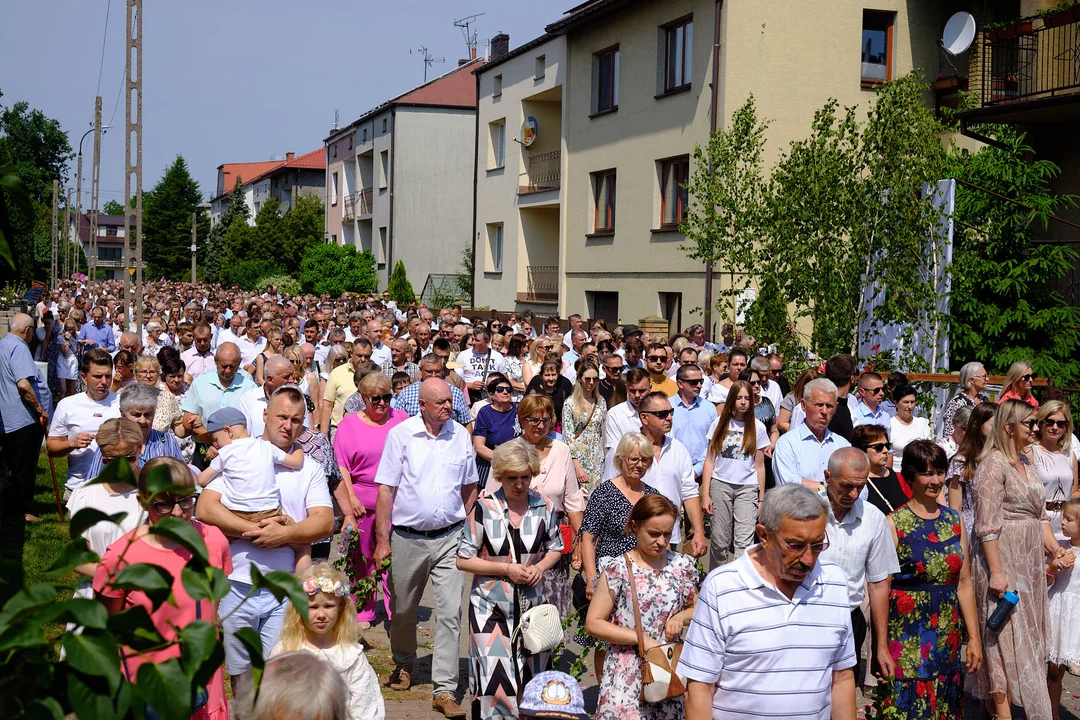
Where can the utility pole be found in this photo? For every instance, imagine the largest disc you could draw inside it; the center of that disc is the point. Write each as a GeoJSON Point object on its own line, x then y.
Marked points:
{"type": "Point", "coordinates": [133, 86]}
{"type": "Point", "coordinates": [67, 237]}
{"type": "Point", "coordinates": [95, 175]}
{"type": "Point", "coordinates": [55, 209]}
{"type": "Point", "coordinates": [194, 247]}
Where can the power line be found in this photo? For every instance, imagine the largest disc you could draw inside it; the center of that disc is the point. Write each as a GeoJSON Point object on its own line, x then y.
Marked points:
{"type": "Point", "coordinates": [104, 37]}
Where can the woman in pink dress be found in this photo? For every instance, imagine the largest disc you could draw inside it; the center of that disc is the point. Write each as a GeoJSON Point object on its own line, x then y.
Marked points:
{"type": "Point", "coordinates": [358, 445]}
{"type": "Point", "coordinates": [139, 546]}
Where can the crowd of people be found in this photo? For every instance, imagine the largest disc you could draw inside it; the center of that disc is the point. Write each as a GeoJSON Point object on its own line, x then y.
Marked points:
{"type": "Point", "coordinates": [591, 469]}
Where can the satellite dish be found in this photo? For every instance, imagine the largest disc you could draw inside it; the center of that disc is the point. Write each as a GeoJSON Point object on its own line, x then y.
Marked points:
{"type": "Point", "coordinates": [529, 128]}
{"type": "Point", "coordinates": [959, 33]}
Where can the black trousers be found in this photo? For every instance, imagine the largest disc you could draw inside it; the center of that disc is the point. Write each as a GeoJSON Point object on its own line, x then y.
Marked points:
{"type": "Point", "coordinates": [858, 629]}
{"type": "Point", "coordinates": [21, 449]}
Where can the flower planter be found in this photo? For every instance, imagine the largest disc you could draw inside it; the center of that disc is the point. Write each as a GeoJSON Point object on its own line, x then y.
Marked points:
{"type": "Point", "coordinates": [946, 83]}
{"type": "Point", "coordinates": [1061, 18]}
{"type": "Point", "coordinates": [1024, 27]}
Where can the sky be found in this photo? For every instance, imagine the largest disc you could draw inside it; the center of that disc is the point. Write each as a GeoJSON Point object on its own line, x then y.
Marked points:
{"type": "Point", "coordinates": [233, 80]}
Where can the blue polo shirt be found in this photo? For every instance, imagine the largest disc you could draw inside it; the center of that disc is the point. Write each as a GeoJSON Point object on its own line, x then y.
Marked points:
{"type": "Point", "coordinates": [102, 336]}
{"type": "Point", "coordinates": [861, 414]}
{"type": "Point", "coordinates": [17, 364]}
{"type": "Point", "coordinates": [207, 395]}
{"type": "Point", "coordinates": [800, 455]}
{"type": "Point", "coordinates": [690, 426]}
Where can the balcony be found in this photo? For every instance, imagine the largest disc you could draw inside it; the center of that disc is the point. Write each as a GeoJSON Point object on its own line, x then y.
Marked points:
{"type": "Point", "coordinates": [1032, 63]}
{"type": "Point", "coordinates": [543, 173]}
{"type": "Point", "coordinates": [358, 204]}
{"type": "Point", "coordinates": [541, 283]}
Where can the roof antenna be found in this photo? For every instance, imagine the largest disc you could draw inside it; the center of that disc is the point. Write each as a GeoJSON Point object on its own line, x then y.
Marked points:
{"type": "Point", "coordinates": [337, 116]}
{"type": "Point", "coordinates": [428, 59]}
{"type": "Point", "coordinates": [466, 24]}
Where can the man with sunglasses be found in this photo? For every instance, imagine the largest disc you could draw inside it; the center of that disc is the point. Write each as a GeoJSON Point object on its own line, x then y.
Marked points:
{"type": "Point", "coordinates": [868, 408]}
{"type": "Point", "coordinates": [656, 358]}
{"type": "Point", "coordinates": [860, 542]}
{"type": "Point", "coordinates": [611, 380]}
{"type": "Point", "coordinates": [693, 415]}
{"type": "Point", "coordinates": [774, 624]}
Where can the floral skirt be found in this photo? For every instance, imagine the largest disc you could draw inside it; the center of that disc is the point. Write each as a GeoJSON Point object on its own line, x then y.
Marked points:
{"type": "Point", "coordinates": [938, 698]}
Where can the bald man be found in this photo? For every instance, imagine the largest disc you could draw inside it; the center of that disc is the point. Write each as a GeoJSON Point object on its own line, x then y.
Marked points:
{"type": "Point", "coordinates": [427, 485]}
{"type": "Point", "coordinates": [130, 341]}
{"type": "Point", "coordinates": [25, 404]}
{"type": "Point", "coordinates": [210, 392]}
{"type": "Point", "coordinates": [380, 354]}
{"type": "Point", "coordinates": [253, 403]}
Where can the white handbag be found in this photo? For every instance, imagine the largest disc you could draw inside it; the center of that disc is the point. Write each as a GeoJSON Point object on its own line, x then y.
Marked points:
{"type": "Point", "coordinates": [540, 627]}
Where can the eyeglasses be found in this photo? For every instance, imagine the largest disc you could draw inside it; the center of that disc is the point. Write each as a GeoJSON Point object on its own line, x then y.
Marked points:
{"type": "Point", "coordinates": [501, 389]}
{"type": "Point", "coordinates": [875, 391]}
{"type": "Point", "coordinates": [381, 398]}
{"type": "Point", "coordinates": [662, 414]}
{"type": "Point", "coordinates": [801, 547]}
{"type": "Point", "coordinates": [754, 383]}
{"type": "Point", "coordinates": [106, 459]}
{"type": "Point", "coordinates": [1030, 424]}
{"type": "Point", "coordinates": [1055, 423]}
{"type": "Point", "coordinates": [1027, 378]}
{"type": "Point", "coordinates": [656, 358]}
{"type": "Point", "coordinates": [538, 421]}
{"type": "Point", "coordinates": [693, 382]}
{"type": "Point", "coordinates": [164, 507]}
{"type": "Point", "coordinates": [590, 379]}
{"type": "Point", "coordinates": [616, 369]}
{"type": "Point", "coordinates": [880, 447]}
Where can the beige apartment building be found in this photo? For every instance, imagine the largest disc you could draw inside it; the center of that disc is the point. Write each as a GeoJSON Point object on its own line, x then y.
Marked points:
{"type": "Point", "coordinates": [399, 179]}
{"type": "Point", "coordinates": [641, 86]}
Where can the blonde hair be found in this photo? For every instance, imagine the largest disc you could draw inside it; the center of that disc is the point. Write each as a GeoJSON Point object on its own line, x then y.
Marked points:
{"type": "Point", "coordinates": [629, 442]}
{"type": "Point", "coordinates": [577, 400]}
{"type": "Point", "coordinates": [1052, 407]}
{"type": "Point", "coordinates": [1017, 370]}
{"type": "Point", "coordinates": [1010, 413]}
{"type": "Point", "coordinates": [296, 356]}
{"type": "Point", "coordinates": [147, 361]}
{"type": "Point", "coordinates": [179, 476]}
{"type": "Point", "coordinates": [346, 631]}
{"type": "Point", "coordinates": [118, 430]}
{"type": "Point", "coordinates": [515, 455]}
{"type": "Point", "coordinates": [373, 384]}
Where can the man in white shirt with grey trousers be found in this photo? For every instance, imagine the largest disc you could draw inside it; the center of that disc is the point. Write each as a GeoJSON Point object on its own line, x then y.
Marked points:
{"type": "Point", "coordinates": [427, 484]}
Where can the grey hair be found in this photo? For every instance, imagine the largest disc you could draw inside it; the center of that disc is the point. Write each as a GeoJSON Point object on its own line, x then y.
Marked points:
{"type": "Point", "coordinates": [18, 322]}
{"type": "Point", "coordinates": [822, 385]}
{"type": "Point", "coordinates": [356, 315]}
{"type": "Point", "coordinates": [629, 442]}
{"type": "Point", "coordinates": [302, 686]}
{"type": "Point", "coordinates": [849, 458]}
{"type": "Point", "coordinates": [139, 395]}
{"type": "Point", "coordinates": [961, 416]}
{"type": "Point", "coordinates": [761, 364]}
{"type": "Point", "coordinates": [796, 501]}
{"type": "Point", "coordinates": [969, 371]}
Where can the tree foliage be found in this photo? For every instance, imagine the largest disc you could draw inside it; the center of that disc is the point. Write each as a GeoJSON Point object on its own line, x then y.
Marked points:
{"type": "Point", "coordinates": [216, 254]}
{"type": "Point", "coordinates": [767, 319]}
{"type": "Point", "coordinates": [1004, 305]}
{"type": "Point", "coordinates": [399, 287]}
{"type": "Point", "coordinates": [286, 284]}
{"type": "Point", "coordinates": [113, 208]}
{"type": "Point", "coordinates": [464, 279]}
{"type": "Point", "coordinates": [167, 211]}
{"type": "Point", "coordinates": [303, 227]}
{"type": "Point", "coordinates": [335, 269]}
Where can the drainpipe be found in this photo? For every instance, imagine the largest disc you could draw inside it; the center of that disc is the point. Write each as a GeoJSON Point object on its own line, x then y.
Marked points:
{"type": "Point", "coordinates": [475, 180]}
{"type": "Point", "coordinates": [326, 194]}
{"type": "Point", "coordinates": [390, 184]}
{"type": "Point", "coordinates": [715, 92]}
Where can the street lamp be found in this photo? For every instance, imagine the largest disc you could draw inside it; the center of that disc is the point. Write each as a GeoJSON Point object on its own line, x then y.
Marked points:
{"type": "Point", "coordinates": [78, 193]}
{"type": "Point", "coordinates": [193, 249]}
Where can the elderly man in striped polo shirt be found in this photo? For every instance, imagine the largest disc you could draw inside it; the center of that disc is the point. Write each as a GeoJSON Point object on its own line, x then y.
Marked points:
{"type": "Point", "coordinates": [771, 635]}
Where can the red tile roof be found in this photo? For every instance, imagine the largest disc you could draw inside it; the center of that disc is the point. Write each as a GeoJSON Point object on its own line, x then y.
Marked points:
{"type": "Point", "coordinates": [456, 88]}
{"type": "Point", "coordinates": [314, 160]}
{"type": "Point", "coordinates": [245, 171]}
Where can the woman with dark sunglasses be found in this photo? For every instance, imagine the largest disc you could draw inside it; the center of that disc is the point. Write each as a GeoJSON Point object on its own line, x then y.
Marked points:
{"type": "Point", "coordinates": [358, 445]}
{"type": "Point", "coordinates": [1018, 383]}
{"type": "Point", "coordinates": [1054, 459]}
{"type": "Point", "coordinates": [496, 423]}
{"type": "Point", "coordinates": [885, 489]}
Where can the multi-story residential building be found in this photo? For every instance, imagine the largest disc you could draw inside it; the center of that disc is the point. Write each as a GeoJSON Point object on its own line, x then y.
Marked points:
{"type": "Point", "coordinates": [399, 179]}
{"type": "Point", "coordinates": [110, 242]}
{"type": "Point", "coordinates": [519, 192]}
{"type": "Point", "coordinates": [642, 84]}
{"type": "Point", "coordinates": [284, 180]}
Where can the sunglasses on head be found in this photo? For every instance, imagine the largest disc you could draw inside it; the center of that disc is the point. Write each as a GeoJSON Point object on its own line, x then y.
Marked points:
{"type": "Point", "coordinates": [662, 414]}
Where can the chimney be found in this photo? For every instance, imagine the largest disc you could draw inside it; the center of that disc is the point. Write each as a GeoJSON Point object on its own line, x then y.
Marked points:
{"type": "Point", "coordinates": [289, 156]}
{"type": "Point", "coordinates": [500, 46]}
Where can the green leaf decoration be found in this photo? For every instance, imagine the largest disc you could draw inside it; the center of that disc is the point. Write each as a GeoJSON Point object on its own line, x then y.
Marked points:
{"type": "Point", "coordinates": [94, 652]}
{"type": "Point", "coordinates": [165, 687]}
{"type": "Point", "coordinates": [155, 581]}
{"type": "Point", "coordinates": [89, 517]}
{"type": "Point", "coordinates": [90, 697]}
{"type": "Point", "coordinates": [197, 643]}
{"type": "Point", "coordinates": [184, 534]}
{"type": "Point", "coordinates": [21, 635]}
{"type": "Point", "coordinates": [115, 471]}
{"type": "Point", "coordinates": [26, 602]}
{"type": "Point", "coordinates": [282, 586]}
{"type": "Point", "coordinates": [75, 553]}
{"type": "Point", "coordinates": [81, 611]}
{"type": "Point", "coordinates": [159, 482]}
{"type": "Point", "coordinates": [134, 628]}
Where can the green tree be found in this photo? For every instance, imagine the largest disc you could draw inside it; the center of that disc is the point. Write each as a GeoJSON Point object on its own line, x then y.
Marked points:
{"type": "Point", "coordinates": [335, 269]}
{"type": "Point", "coordinates": [304, 225]}
{"type": "Point", "coordinates": [269, 235]}
{"type": "Point", "coordinates": [399, 287]}
{"type": "Point", "coordinates": [247, 274]}
{"type": "Point", "coordinates": [216, 250]}
{"type": "Point", "coordinates": [167, 210]}
{"type": "Point", "coordinates": [113, 208]}
{"type": "Point", "coordinates": [1004, 307]}
{"type": "Point", "coordinates": [767, 319]}
{"type": "Point", "coordinates": [464, 279]}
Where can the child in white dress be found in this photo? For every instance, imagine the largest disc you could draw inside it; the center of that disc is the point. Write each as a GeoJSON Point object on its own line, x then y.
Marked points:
{"type": "Point", "coordinates": [1063, 643]}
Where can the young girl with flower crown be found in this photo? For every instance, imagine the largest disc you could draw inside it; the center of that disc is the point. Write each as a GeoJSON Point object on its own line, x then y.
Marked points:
{"type": "Point", "coordinates": [332, 634]}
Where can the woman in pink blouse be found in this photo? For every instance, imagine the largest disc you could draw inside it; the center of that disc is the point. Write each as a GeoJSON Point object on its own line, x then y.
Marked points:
{"type": "Point", "coordinates": [358, 445]}
{"type": "Point", "coordinates": [557, 482]}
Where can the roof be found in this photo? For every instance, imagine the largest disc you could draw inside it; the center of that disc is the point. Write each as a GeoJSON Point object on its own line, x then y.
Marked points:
{"type": "Point", "coordinates": [455, 89]}
{"type": "Point", "coordinates": [252, 171]}
{"type": "Point", "coordinates": [103, 221]}
{"type": "Point", "coordinates": [314, 160]}
{"type": "Point", "coordinates": [580, 13]}
{"type": "Point", "coordinates": [521, 49]}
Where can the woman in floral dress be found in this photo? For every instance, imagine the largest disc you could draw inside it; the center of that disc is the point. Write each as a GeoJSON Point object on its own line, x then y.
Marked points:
{"type": "Point", "coordinates": [583, 424]}
{"type": "Point", "coordinates": [666, 586]}
{"type": "Point", "coordinates": [506, 581]}
{"type": "Point", "coordinates": [930, 595]}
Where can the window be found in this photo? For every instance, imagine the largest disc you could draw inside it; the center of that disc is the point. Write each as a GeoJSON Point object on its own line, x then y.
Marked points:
{"type": "Point", "coordinates": [381, 258]}
{"type": "Point", "coordinates": [333, 151]}
{"type": "Point", "coordinates": [333, 239]}
{"type": "Point", "coordinates": [604, 202]}
{"type": "Point", "coordinates": [333, 190]}
{"type": "Point", "coordinates": [495, 248]}
{"type": "Point", "coordinates": [110, 231]}
{"type": "Point", "coordinates": [365, 134]}
{"type": "Point", "coordinates": [350, 142]}
{"type": "Point", "coordinates": [674, 174]}
{"type": "Point", "coordinates": [384, 124]}
{"type": "Point", "coordinates": [877, 47]}
{"type": "Point", "coordinates": [541, 67]}
{"type": "Point", "coordinates": [384, 168]}
{"type": "Point", "coordinates": [606, 81]}
{"type": "Point", "coordinates": [496, 88]}
{"type": "Point", "coordinates": [497, 156]}
{"type": "Point", "coordinates": [603, 305]}
{"type": "Point", "coordinates": [678, 53]}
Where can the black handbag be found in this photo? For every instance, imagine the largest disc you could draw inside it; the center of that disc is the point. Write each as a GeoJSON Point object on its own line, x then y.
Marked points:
{"type": "Point", "coordinates": [577, 588]}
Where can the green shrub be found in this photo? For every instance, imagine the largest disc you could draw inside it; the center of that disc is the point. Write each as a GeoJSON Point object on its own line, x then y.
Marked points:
{"type": "Point", "coordinates": [400, 289]}
{"type": "Point", "coordinates": [285, 284]}
{"type": "Point", "coordinates": [246, 273]}
{"type": "Point", "coordinates": [335, 269]}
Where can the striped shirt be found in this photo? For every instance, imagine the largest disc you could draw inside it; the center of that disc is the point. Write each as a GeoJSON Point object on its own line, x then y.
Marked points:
{"type": "Point", "coordinates": [768, 655]}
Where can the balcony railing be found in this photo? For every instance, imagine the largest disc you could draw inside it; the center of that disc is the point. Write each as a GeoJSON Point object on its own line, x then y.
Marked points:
{"type": "Point", "coordinates": [542, 283]}
{"type": "Point", "coordinates": [544, 172]}
{"type": "Point", "coordinates": [357, 204]}
{"type": "Point", "coordinates": [1033, 59]}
